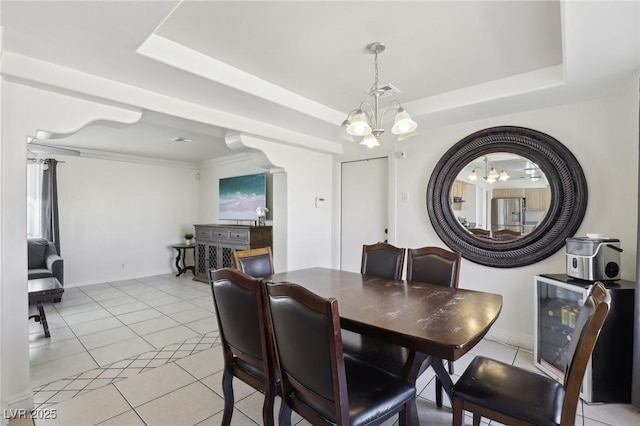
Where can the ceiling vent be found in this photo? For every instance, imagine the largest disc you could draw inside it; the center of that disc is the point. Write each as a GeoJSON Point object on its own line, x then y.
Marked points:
{"type": "Point", "coordinates": [181, 139]}
{"type": "Point", "coordinates": [388, 90]}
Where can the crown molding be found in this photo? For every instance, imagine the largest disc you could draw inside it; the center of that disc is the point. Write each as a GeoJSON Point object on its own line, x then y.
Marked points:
{"type": "Point", "coordinates": [223, 161]}
{"type": "Point", "coordinates": [102, 155]}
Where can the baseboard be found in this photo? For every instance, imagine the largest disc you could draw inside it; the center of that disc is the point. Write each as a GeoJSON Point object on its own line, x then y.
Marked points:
{"type": "Point", "coordinates": [510, 338]}
{"type": "Point", "coordinates": [113, 279]}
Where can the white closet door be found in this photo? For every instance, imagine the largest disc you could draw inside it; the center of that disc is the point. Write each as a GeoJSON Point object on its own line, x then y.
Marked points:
{"type": "Point", "coordinates": [363, 208]}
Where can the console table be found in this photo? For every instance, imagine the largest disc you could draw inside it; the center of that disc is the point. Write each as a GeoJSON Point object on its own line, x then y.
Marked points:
{"type": "Point", "coordinates": [182, 254]}
{"type": "Point", "coordinates": [216, 243]}
{"type": "Point", "coordinates": [43, 290]}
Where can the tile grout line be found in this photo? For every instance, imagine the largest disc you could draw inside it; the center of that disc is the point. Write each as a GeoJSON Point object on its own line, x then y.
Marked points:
{"type": "Point", "coordinates": [111, 380]}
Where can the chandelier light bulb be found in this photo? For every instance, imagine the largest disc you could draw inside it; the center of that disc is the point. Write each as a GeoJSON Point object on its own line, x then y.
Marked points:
{"type": "Point", "coordinates": [370, 141]}
{"type": "Point", "coordinates": [473, 175]}
{"type": "Point", "coordinates": [503, 175]}
{"type": "Point", "coordinates": [492, 175]}
{"type": "Point", "coordinates": [403, 123]}
{"type": "Point", "coordinates": [359, 125]}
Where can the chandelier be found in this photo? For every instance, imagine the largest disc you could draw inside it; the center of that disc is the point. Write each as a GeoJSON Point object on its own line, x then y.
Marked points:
{"type": "Point", "coordinates": [367, 124]}
{"type": "Point", "coordinates": [490, 176]}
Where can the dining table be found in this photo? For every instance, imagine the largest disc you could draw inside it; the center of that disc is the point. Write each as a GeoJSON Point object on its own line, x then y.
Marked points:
{"type": "Point", "coordinates": [433, 322]}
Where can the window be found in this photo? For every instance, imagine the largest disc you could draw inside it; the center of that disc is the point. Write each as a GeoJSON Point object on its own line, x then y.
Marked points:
{"type": "Point", "coordinates": [34, 199]}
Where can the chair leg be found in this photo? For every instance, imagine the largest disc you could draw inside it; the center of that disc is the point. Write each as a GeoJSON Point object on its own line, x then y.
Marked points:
{"type": "Point", "coordinates": [457, 412]}
{"type": "Point", "coordinates": [438, 393]}
{"type": "Point", "coordinates": [285, 414]}
{"type": "Point", "coordinates": [476, 419]}
{"type": "Point", "coordinates": [450, 367]}
{"type": "Point", "coordinates": [267, 408]}
{"type": "Point", "coordinates": [227, 389]}
{"type": "Point", "coordinates": [403, 415]}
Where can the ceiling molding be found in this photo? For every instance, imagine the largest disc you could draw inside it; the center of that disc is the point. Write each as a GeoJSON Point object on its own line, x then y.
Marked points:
{"type": "Point", "coordinates": [224, 161]}
{"type": "Point", "coordinates": [494, 90]}
{"type": "Point", "coordinates": [110, 156]}
{"type": "Point", "coordinates": [181, 57]}
{"type": "Point", "coordinates": [40, 72]}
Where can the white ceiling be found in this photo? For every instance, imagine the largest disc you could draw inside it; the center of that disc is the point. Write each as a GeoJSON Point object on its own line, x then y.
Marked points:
{"type": "Point", "coordinates": [302, 66]}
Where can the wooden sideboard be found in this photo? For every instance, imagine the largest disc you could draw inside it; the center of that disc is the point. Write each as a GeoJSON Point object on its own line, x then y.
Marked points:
{"type": "Point", "coordinates": [215, 245]}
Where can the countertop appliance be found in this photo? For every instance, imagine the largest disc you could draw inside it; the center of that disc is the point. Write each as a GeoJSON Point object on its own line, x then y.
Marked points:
{"type": "Point", "coordinates": [508, 213]}
{"type": "Point", "coordinates": [593, 259]}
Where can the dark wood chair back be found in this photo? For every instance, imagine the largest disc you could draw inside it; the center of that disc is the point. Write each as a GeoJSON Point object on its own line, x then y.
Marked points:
{"type": "Point", "coordinates": [480, 232]}
{"type": "Point", "coordinates": [246, 340]}
{"type": "Point", "coordinates": [513, 395]}
{"type": "Point", "coordinates": [434, 265]}
{"type": "Point", "coordinates": [314, 371]}
{"type": "Point", "coordinates": [256, 262]}
{"type": "Point", "coordinates": [382, 260]}
{"type": "Point", "coordinates": [506, 234]}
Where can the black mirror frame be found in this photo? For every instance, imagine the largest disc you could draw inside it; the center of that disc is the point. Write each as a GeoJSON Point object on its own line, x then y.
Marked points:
{"type": "Point", "coordinates": [568, 205]}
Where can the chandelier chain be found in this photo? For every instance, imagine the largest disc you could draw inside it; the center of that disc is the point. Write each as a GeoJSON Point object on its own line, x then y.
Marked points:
{"type": "Point", "coordinates": [375, 61]}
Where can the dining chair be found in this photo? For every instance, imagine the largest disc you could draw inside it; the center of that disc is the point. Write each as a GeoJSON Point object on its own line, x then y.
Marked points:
{"type": "Point", "coordinates": [435, 265]}
{"type": "Point", "coordinates": [382, 260]}
{"type": "Point", "coordinates": [513, 395]}
{"type": "Point", "coordinates": [319, 381]}
{"type": "Point", "coordinates": [246, 340]}
{"type": "Point", "coordinates": [256, 262]}
{"type": "Point", "coordinates": [480, 232]}
{"type": "Point", "coordinates": [506, 234]}
{"type": "Point", "coordinates": [386, 261]}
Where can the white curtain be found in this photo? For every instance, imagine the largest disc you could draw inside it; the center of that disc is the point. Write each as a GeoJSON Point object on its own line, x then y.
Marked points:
{"type": "Point", "coordinates": [34, 199]}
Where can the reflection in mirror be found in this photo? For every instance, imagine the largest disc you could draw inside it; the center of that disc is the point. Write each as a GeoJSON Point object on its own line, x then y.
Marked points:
{"type": "Point", "coordinates": [560, 211]}
{"type": "Point", "coordinates": [500, 197]}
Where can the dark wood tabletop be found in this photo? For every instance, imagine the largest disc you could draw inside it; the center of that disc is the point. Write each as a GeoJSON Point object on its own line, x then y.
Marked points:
{"type": "Point", "coordinates": [428, 318]}
{"type": "Point", "coordinates": [432, 321]}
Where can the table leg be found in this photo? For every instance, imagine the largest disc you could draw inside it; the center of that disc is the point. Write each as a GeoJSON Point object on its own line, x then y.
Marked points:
{"type": "Point", "coordinates": [43, 319]}
{"type": "Point", "coordinates": [443, 380]}
{"type": "Point", "coordinates": [417, 362]}
{"type": "Point", "coordinates": [180, 270]}
{"type": "Point", "coordinates": [185, 268]}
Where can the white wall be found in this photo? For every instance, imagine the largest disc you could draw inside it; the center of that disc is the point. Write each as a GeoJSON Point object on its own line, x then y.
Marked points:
{"type": "Point", "coordinates": [118, 219]}
{"type": "Point", "coordinates": [309, 229]}
{"type": "Point", "coordinates": [301, 233]}
{"type": "Point", "coordinates": [602, 134]}
{"type": "Point", "coordinates": [210, 173]}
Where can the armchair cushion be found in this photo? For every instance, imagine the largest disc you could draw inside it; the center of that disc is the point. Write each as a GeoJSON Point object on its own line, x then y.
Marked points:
{"type": "Point", "coordinates": [43, 260]}
{"type": "Point", "coordinates": [37, 248]}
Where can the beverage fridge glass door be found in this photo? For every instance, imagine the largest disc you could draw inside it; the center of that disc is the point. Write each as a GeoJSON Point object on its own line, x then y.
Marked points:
{"type": "Point", "coordinates": [557, 308]}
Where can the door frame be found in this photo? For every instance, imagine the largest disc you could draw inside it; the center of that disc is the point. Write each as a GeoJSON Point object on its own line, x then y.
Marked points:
{"type": "Point", "coordinates": [392, 200]}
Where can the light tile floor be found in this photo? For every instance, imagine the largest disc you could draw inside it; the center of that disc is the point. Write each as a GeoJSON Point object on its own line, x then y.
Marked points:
{"type": "Point", "coordinates": [146, 352]}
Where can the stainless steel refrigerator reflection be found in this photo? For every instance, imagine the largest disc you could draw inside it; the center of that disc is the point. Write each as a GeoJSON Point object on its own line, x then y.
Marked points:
{"type": "Point", "coordinates": [508, 213]}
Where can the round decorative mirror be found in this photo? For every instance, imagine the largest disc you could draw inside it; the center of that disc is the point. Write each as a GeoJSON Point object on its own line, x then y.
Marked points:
{"type": "Point", "coordinates": [507, 196]}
